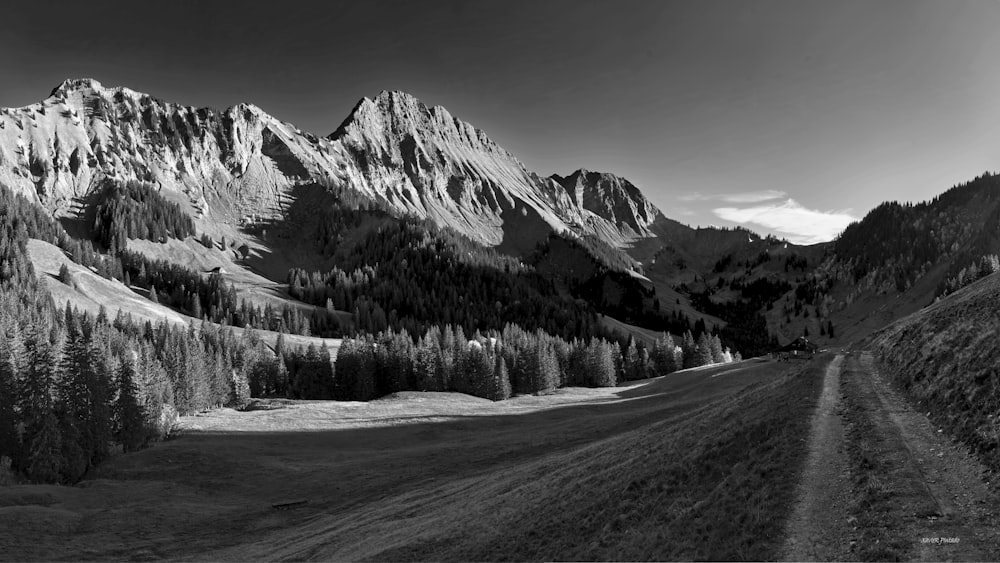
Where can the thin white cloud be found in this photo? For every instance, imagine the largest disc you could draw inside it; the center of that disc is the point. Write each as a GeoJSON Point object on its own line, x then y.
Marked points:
{"type": "Point", "coordinates": [790, 220]}
{"type": "Point", "coordinates": [754, 197]}
{"type": "Point", "coordinates": [743, 197]}
{"type": "Point", "coordinates": [695, 196]}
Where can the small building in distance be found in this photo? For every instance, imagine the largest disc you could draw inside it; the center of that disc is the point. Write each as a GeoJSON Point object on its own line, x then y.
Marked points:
{"type": "Point", "coordinates": [801, 347]}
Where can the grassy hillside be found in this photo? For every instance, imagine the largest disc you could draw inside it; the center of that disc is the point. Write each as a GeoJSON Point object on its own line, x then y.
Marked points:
{"type": "Point", "coordinates": [92, 291]}
{"type": "Point", "coordinates": [695, 465]}
{"type": "Point", "coordinates": [945, 357]}
{"type": "Point", "coordinates": [241, 274]}
{"type": "Point", "coordinates": [644, 335]}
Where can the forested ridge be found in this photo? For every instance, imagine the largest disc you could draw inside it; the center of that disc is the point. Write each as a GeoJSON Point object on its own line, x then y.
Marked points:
{"type": "Point", "coordinates": [896, 243]}
{"type": "Point", "coordinates": [135, 210]}
{"type": "Point", "coordinates": [73, 386]}
{"type": "Point", "coordinates": [77, 387]}
{"type": "Point", "coordinates": [410, 275]}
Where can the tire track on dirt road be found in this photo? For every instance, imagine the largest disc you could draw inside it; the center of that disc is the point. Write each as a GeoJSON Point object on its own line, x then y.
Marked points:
{"type": "Point", "coordinates": [946, 510]}
{"type": "Point", "coordinates": [817, 529]}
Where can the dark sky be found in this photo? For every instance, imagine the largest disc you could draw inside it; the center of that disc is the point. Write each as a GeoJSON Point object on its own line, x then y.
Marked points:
{"type": "Point", "coordinates": [790, 116]}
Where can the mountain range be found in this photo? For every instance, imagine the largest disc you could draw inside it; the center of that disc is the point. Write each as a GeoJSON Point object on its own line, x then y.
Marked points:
{"type": "Point", "coordinates": [239, 164]}
{"type": "Point", "coordinates": [241, 168]}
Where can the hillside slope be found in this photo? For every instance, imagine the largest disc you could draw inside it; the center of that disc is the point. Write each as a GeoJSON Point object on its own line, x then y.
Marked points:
{"type": "Point", "coordinates": [945, 357]}
{"type": "Point", "coordinates": [91, 292]}
{"type": "Point", "coordinates": [902, 256]}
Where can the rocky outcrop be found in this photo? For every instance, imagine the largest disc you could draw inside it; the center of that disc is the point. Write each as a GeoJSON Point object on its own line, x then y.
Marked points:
{"type": "Point", "coordinates": [241, 162]}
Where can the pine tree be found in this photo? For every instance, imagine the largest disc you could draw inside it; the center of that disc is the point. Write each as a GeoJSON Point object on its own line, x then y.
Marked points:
{"type": "Point", "coordinates": [130, 427]}
{"type": "Point", "coordinates": [501, 379]}
{"type": "Point", "coordinates": [65, 276]}
{"type": "Point", "coordinates": [703, 354]}
{"type": "Point", "coordinates": [715, 347]}
{"type": "Point", "coordinates": [427, 367]}
{"type": "Point", "coordinates": [601, 364]}
{"type": "Point", "coordinates": [44, 458]}
{"type": "Point", "coordinates": [689, 349]}
{"type": "Point", "coordinates": [194, 305]}
{"type": "Point", "coordinates": [645, 367]}
{"type": "Point", "coordinates": [240, 394]}
{"type": "Point", "coordinates": [546, 368]}
{"type": "Point", "coordinates": [37, 407]}
{"type": "Point", "coordinates": [354, 373]}
{"type": "Point", "coordinates": [631, 361]}
{"type": "Point", "coordinates": [12, 358]}
{"type": "Point", "coordinates": [664, 355]}
{"type": "Point", "coordinates": [74, 402]}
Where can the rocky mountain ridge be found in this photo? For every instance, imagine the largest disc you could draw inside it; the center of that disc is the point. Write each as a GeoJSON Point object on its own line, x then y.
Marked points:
{"type": "Point", "coordinates": [240, 164]}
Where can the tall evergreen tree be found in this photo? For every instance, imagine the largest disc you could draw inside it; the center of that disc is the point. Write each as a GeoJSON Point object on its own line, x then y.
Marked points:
{"type": "Point", "coordinates": [664, 355]}
{"type": "Point", "coordinates": [12, 358]}
{"type": "Point", "coordinates": [715, 348]}
{"type": "Point", "coordinates": [703, 354]}
{"type": "Point", "coordinates": [501, 380]}
{"type": "Point", "coordinates": [689, 349]}
{"type": "Point", "coordinates": [42, 454]}
{"type": "Point", "coordinates": [130, 419]}
{"type": "Point", "coordinates": [44, 458]}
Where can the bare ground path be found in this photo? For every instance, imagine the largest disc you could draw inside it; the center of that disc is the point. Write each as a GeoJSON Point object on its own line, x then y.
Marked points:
{"type": "Point", "coordinates": [932, 501]}
{"type": "Point", "coordinates": [818, 530]}
{"type": "Point", "coordinates": [946, 509]}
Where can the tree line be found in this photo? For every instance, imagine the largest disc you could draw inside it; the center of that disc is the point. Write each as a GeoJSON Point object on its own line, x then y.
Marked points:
{"type": "Point", "coordinates": [210, 297]}
{"type": "Point", "coordinates": [136, 210]}
{"type": "Point", "coordinates": [75, 384]}
{"type": "Point", "coordinates": [976, 270]}
{"type": "Point", "coordinates": [498, 364]}
{"type": "Point", "coordinates": [896, 243]}
{"type": "Point", "coordinates": [409, 275]}
{"type": "Point", "coordinates": [71, 385]}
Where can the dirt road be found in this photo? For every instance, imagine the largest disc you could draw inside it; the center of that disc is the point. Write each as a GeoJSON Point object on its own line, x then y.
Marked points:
{"type": "Point", "coordinates": [817, 530]}
{"type": "Point", "coordinates": [883, 482]}
{"type": "Point", "coordinates": [945, 509]}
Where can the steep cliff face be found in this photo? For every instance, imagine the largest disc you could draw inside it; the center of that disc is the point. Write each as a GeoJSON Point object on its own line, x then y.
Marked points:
{"type": "Point", "coordinates": [619, 207]}
{"type": "Point", "coordinates": [423, 160]}
{"type": "Point", "coordinates": [236, 162]}
{"type": "Point", "coordinates": [239, 164]}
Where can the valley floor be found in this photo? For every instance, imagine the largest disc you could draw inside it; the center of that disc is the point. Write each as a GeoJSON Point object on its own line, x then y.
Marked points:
{"type": "Point", "coordinates": [694, 465]}
{"type": "Point", "coordinates": [582, 472]}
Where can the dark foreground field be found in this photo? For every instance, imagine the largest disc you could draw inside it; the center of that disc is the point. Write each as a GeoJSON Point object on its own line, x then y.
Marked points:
{"type": "Point", "coordinates": [696, 465]}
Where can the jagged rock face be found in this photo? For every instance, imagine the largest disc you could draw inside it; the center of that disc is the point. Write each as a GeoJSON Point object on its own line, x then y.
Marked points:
{"type": "Point", "coordinates": [241, 162]}
{"type": "Point", "coordinates": [424, 161]}
{"type": "Point", "coordinates": [240, 159]}
{"type": "Point", "coordinates": [614, 199]}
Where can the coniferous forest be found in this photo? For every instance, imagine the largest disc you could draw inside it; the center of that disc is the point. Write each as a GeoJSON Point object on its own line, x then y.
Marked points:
{"type": "Point", "coordinates": [433, 312]}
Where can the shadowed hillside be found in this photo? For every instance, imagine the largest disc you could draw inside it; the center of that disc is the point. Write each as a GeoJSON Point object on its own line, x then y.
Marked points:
{"type": "Point", "coordinates": [945, 357]}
